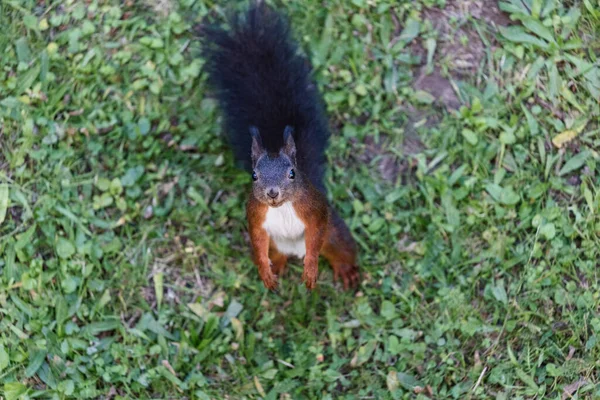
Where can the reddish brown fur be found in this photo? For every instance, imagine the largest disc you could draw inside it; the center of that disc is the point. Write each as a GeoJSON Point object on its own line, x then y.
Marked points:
{"type": "Point", "coordinates": [256, 213]}
{"type": "Point", "coordinates": [311, 207]}
{"type": "Point", "coordinates": [340, 250]}
{"type": "Point", "coordinates": [278, 260]}
{"type": "Point", "coordinates": [325, 234]}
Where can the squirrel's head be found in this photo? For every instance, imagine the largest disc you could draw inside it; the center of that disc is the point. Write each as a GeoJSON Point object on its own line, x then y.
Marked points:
{"type": "Point", "coordinates": [275, 178]}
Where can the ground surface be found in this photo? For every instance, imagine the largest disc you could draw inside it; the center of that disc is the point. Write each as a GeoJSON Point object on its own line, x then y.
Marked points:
{"type": "Point", "coordinates": [465, 159]}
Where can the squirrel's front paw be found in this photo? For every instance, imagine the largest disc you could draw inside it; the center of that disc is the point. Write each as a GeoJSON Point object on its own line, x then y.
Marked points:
{"type": "Point", "coordinates": [269, 280]}
{"type": "Point", "coordinates": [310, 274]}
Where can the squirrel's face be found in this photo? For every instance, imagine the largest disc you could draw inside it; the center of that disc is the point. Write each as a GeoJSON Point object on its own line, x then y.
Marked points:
{"type": "Point", "coordinates": [275, 179]}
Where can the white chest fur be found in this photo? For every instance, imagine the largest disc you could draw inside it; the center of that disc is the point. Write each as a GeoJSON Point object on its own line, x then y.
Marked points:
{"type": "Point", "coordinates": [286, 229]}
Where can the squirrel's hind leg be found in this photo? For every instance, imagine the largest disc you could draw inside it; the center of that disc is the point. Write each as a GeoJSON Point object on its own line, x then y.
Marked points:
{"type": "Point", "coordinates": [340, 250]}
{"type": "Point", "coordinates": [348, 273]}
{"type": "Point", "coordinates": [278, 260]}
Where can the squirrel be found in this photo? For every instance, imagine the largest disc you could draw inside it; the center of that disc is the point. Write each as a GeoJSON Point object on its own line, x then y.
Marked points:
{"type": "Point", "coordinates": [275, 122]}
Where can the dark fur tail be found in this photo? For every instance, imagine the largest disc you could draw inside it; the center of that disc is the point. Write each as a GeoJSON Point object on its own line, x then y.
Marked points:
{"type": "Point", "coordinates": [261, 80]}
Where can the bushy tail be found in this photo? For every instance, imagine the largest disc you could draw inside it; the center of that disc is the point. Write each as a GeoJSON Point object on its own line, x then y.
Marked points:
{"type": "Point", "coordinates": [260, 80]}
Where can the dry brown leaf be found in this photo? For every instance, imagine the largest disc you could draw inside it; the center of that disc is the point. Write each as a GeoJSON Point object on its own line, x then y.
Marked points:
{"type": "Point", "coordinates": [569, 390]}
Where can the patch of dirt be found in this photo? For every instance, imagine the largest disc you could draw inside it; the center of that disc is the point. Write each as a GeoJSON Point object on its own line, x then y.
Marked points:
{"type": "Point", "coordinates": [461, 10]}
{"type": "Point", "coordinates": [390, 166]}
{"type": "Point", "coordinates": [459, 47]}
{"type": "Point", "coordinates": [438, 86]}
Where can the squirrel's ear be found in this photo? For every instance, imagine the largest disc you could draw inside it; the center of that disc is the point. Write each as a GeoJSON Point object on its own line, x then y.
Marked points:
{"type": "Point", "coordinates": [257, 149]}
{"type": "Point", "coordinates": [289, 146]}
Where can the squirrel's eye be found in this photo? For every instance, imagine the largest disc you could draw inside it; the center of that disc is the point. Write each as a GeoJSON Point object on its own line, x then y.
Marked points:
{"type": "Point", "coordinates": [292, 174]}
{"type": "Point", "coordinates": [254, 176]}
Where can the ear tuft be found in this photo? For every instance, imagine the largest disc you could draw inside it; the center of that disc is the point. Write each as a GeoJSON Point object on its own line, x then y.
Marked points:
{"type": "Point", "coordinates": [289, 146]}
{"type": "Point", "coordinates": [257, 148]}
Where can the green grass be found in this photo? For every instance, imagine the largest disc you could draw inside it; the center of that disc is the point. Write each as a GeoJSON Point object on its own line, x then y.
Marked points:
{"type": "Point", "coordinates": [124, 262]}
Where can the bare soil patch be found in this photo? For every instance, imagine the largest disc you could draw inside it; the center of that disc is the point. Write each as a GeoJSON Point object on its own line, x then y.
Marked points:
{"type": "Point", "coordinates": [460, 48]}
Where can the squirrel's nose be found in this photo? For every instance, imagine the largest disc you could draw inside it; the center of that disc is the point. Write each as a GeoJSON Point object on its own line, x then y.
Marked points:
{"type": "Point", "coordinates": [273, 193]}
